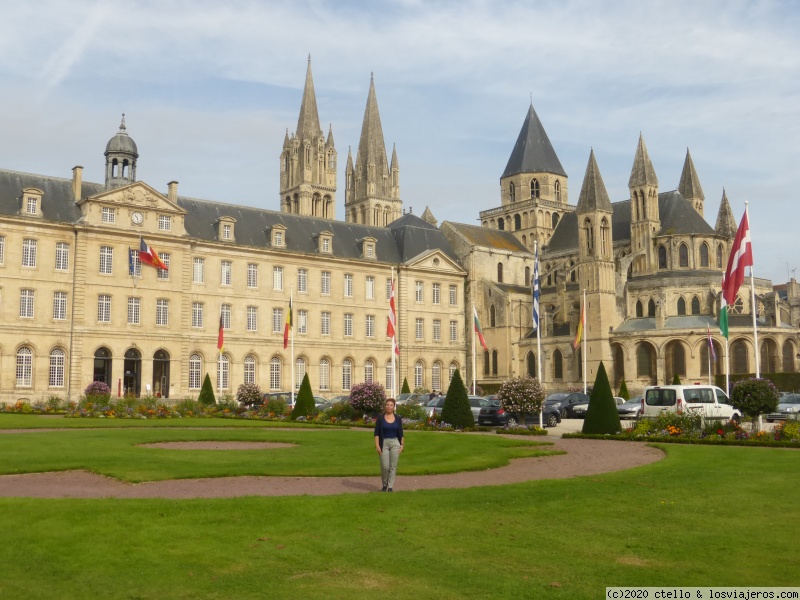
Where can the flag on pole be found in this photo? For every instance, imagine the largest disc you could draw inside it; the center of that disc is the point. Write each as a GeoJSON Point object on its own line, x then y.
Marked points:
{"type": "Point", "coordinates": [478, 329]}
{"type": "Point", "coordinates": [221, 334]}
{"type": "Point", "coordinates": [581, 325]}
{"type": "Point", "coordinates": [723, 317]}
{"type": "Point", "coordinates": [536, 289]}
{"type": "Point", "coordinates": [711, 350]}
{"type": "Point", "coordinates": [391, 325]}
{"type": "Point", "coordinates": [149, 256]}
{"type": "Point", "coordinates": [741, 256]}
{"type": "Point", "coordinates": [288, 327]}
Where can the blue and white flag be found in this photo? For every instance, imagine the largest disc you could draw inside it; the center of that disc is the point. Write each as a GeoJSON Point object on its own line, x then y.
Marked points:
{"type": "Point", "coordinates": [535, 285]}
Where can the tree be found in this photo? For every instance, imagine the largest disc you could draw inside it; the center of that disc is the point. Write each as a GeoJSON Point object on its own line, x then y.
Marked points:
{"type": "Point", "coordinates": [207, 393]}
{"type": "Point", "coordinates": [367, 398]}
{"type": "Point", "coordinates": [304, 401]}
{"type": "Point", "coordinates": [676, 380]}
{"type": "Point", "coordinates": [249, 394]}
{"type": "Point", "coordinates": [755, 396]}
{"type": "Point", "coordinates": [522, 396]}
{"type": "Point", "coordinates": [456, 409]}
{"type": "Point", "coordinates": [602, 416]}
{"type": "Point", "coordinates": [405, 389]}
{"type": "Point", "coordinates": [623, 391]}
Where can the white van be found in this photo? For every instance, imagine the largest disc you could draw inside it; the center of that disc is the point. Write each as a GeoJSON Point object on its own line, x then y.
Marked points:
{"type": "Point", "coordinates": [706, 400]}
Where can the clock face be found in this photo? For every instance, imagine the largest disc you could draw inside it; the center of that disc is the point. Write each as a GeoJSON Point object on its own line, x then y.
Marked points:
{"type": "Point", "coordinates": [137, 218]}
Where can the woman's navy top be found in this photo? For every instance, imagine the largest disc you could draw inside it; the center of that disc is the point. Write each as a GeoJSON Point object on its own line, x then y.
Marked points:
{"type": "Point", "coordinates": [384, 429]}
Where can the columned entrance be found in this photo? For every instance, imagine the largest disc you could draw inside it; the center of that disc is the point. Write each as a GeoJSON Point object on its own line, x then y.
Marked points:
{"type": "Point", "coordinates": [161, 374]}
{"type": "Point", "coordinates": [132, 377]}
{"type": "Point", "coordinates": [102, 366]}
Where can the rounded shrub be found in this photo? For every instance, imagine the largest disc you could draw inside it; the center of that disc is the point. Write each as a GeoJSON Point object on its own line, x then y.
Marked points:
{"type": "Point", "coordinates": [522, 396]}
{"type": "Point", "coordinates": [755, 396]}
{"type": "Point", "coordinates": [249, 394]}
{"type": "Point", "coordinates": [97, 390]}
{"type": "Point", "coordinates": [367, 398]}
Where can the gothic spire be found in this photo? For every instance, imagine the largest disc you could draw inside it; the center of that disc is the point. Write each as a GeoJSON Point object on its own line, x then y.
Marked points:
{"type": "Point", "coordinates": [689, 187]}
{"type": "Point", "coordinates": [308, 122]}
{"type": "Point", "coordinates": [726, 223]}
{"type": "Point", "coordinates": [395, 162]}
{"type": "Point", "coordinates": [371, 147]}
{"type": "Point", "coordinates": [642, 172]}
{"type": "Point", "coordinates": [593, 191]}
{"type": "Point", "coordinates": [533, 152]}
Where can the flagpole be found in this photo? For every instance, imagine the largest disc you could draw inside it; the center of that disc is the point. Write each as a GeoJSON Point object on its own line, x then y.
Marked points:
{"type": "Point", "coordinates": [710, 346]}
{"type": "Point", "coordinates": [585, 335]}
{"type": "Point", "coordinates": [537, 319]}
{"type": "Point", "coordinates": [291, 333]}
{"type": "Point", "coordinates": [474, 384]}
{"type": "Point", "coordinates": [391, 346]}
{"type": "Point", "coordinates": [727, 370]}
{"type": "Point", "coordinates": [753, 297]}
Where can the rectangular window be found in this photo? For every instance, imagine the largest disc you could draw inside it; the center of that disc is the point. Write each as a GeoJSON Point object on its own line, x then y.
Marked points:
{"type": "Point", "coordinates": [197, 314]}
{"type": "Point", "coordinates": [325, 285]}
{"type": "Point", "coordinates": [104, 308]}
{"type": "Point", "coordinates": [419, 291]}
{"type": "Point", "coordinates": [348, 324]}
{"type": "Point", "coordinates": [279, 238]}
{"type": "Point", "coordinates": [325, 323]}
{"type": "Point", "coordinates": [195, 372]}
{"type": "Point", "coordinates": [437, 330]}
{"type": "Point", "coordinates": [348, 286]}
{"type": "Point", "coordinates": [28, 253]}
{"type": "Point", "coordinates": [26, 304]}
{"type": "Point", "coordinates": [106, 260]}
{"type": "Point", "coordinates": [225, 315]}
{"type": "Point", "coordinates": [277, 320]}
{"type": "Point", "coordinates": [437, 293]}
{"type": "Point", "coordinates": [60, 306]}
{"type": "Point", "coordinates": [277, 278]}
{"type": "Point", "coordinates": [419, 328]}
{"type": "Point", "coordinates": [62, 256]}
{"type": "Point", "coordinates": [347, 375]}
{"type": "Point", "coordinates": [388, 288]}
{"type": "Point", "coordinates": [453, 295]}
{"type": "Point", "coordinates": [370, 287]}
{"type": "Point", "coordinates": [32, 205]}
{"type": "Point", "coordinates": [370, 251]}
{"type": "Point", "coordinates": [24, 367]}
{"type": "Point", "coordinates": [226, 276]}
{"type": "Point", "coordinates": [302, 321]}
{"type": "Point", "coordinates": [326, 245]}
{"type": "Point", "coordinates": [302, 281]}
{"type": "Point", "coordinates": [164, 222]}
{"type": "Point", "coordinates": [249, 369]}
{"type": "Point", "coordinates": [252, 275]}
{"type": "Point", "coordinates": [134, 263]}
{"type": "Point", "coordinates": [56, 368]}
{"type": "Point", "coordinates": [163, 273]}
{"type": "Point", "coordinates": [453, 331]}
{"type": "Point", "coordinates": [2, 249]}
{"type": "Point", "coordinates": [223, 372]}
{"type": "Point", "coordinates": [198, 270]}
{"type": "Point", "coordinates": [109, 215]}
{"type": "Point", "coordinates": [134, 313]}
{"type": "Point", "coordinates": [252, 318]}
{"type": "Point", "coordinates": [162, 311]}
{"type": "Point", "coordinates": [324, 374]}
{"type": "Point", "coordinates": [370, 326]}
{"type": "Point", "coordinates": [227, 232]}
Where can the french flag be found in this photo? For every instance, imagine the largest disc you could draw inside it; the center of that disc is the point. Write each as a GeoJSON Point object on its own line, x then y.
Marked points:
{"type": "Point", "coordinates": [149, 256]}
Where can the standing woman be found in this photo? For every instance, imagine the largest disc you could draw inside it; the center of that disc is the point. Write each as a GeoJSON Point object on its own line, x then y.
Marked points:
{"type": "Point", "coordinates": [388, 443]}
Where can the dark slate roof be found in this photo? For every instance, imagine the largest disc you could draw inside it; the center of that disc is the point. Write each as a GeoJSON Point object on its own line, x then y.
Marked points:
{"type": "Point", "coordinates": [533, 152]}
{"type": "Point", "coordinates": [122, 142]}
{"type": "Point", "coordinates": [509, 288]}
{"type": "Point", "coordinates": [675, 212]}
{"type": "Point", "coordinates": [414, 236]}
{"type": "Point", "coordinates": [58, 203]}
{"type": "Point", "coordinates": [489, 238]}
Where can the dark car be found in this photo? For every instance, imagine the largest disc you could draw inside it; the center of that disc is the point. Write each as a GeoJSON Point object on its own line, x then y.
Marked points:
{"type": "Point", "coordinates": [565, 403]}
{"type": "Point", "coordinates": [494, 415]}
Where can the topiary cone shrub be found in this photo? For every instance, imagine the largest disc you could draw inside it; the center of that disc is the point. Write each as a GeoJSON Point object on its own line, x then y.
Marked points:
{"type": "Point", "coordinates": [367, 398]}
{"type": "Point", "coordinates": [206, 396]}
{"type": "Point", "coordinates": [755, 397]}
{"type": "Point", "coordinates": [405, 389]}
{"type": "Point", "coordinates": [623, 391]}
{"type": "Point", "coordinates": [522, 396]}
{"type": "Point", "coordinates": [456, 410]}
{"type": "Point", "coordinates": [602, 416]}
{"type": "Point", "coordinates": [676, 380]}
{"type": "Point", "coordinates": [304, 401]}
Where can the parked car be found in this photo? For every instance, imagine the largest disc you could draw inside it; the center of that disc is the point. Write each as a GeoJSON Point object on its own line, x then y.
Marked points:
{"type": "Point", "coordinates": [565, 403]}
{"type": "Point", "coordinates": [412, 399]}
{"type": "Point", "coordinates": [579, 410]}
{"type": "Point", "coordinates": [435, 406]}
{"type": "Point", "coordinates": [285, 396]}
{"type": "Point", "coordinates": [631, 409]}
{"type": "Point", "coordinates": [707, 400]}
{"type": "Point", "coordinates": [493, 414]}
{"type": "Point", "coordinates": [788, 408]}
{"type": "Point", "coordinates": [340, 398]}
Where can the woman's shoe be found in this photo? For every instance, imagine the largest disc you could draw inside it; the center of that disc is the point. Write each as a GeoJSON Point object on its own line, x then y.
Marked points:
{"type": "Point", "coordinates": [390, 490]}
{"type": "Point", "coordinates": [383, 489]}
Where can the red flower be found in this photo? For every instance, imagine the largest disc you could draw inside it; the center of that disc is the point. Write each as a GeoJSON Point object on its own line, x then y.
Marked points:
{"type": "Point", "coordinates": [720, 432]}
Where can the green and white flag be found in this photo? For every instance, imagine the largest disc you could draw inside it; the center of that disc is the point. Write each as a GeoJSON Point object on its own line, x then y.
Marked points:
{"type": "Point", "coordinates": [723, 318]}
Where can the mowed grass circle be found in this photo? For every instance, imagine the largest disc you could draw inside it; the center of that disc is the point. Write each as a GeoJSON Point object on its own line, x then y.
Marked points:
{"type": "Point", "coordinates": [119, 453]}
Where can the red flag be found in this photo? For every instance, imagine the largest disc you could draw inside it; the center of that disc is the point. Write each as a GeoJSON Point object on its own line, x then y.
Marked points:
{"type": "Point", "coordinates": [220, 335]}
{"type": "Point", "coordinates": [149, 256]}
{"type": "Point", "coordinates": [288, 326]}
{"type": "Point", "coordinates": [741, 257]}
{"type": "Point", "coordinates": [391, 325]}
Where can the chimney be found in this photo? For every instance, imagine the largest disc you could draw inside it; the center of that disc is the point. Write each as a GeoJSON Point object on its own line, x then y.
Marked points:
{"type": "Point", "coordinates": [172, 191]}
{"type": "Point", "coordinates": [77, 180]}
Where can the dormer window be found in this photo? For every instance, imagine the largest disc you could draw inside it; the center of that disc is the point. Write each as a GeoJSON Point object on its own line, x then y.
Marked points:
{"type": "Point", "coordinates": [109, 215]}
{"type": "Point", "coordinates": [325, 242]}
{"type": "Point", "coordinates": [277, 236]}
{"type": "Point", "coordinates": [368, 247]}
{"type": "Point", "coordinates": [225, 233]}
{"type": "Point", "coordinates": [370, 251]}
{"type": "Point", "coordinates": [31, 202]}
{"type": "Point", "coordinates": [32, 205]}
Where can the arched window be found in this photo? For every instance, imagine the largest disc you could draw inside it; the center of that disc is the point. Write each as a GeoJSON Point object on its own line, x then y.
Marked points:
{"type": "Point", "coordinates": [275, 373]}
{"type": "Point", "coordinates": [662, 257]}
{"type": "Point", "coordinates": [299, 372]}
{"type": "Point", "coordinates": [740, 358]}
{"type": "Point", "coordinates": [605, 235]}
{"type": "Point", "coordinates": [644, 206]}
{"type": "Point", "coordinates": [501, 224]}
{"type": "Point", "coordinates": [695, 305]}
{"type": "Point", "coordinates": [494, 362]}
{"type": "Point", "coordinates": [635, 203]}
{"type": "Point", "coordinates": [512, 192]}
{"type": "Point", "coordinates": [618, 355]}
{"type": "Point", "coordinates": [681, 307]}
{"type": "Point", "coordinates": [419, 371]}
{"type": "Point", "coordinates": [639, 309]}
{"type": "Point", "coordinates": [517, 222]}
{"type": "Point", "coordinates": [499, 272]}
{"type": "Point", "coordinates": [645, 362]}
{"type": "Point", "coordinates": [249, 369]}
{"type": "Point", "coordinates": [527, 276]}
{"type": "Point", "coordinates": [788, 357]}
{"type": "Point", "coordinates": [223, 372]}
{"type": "Point", "coordinates": [486, 364]}
{"type": "Point", "coordinates": [651, 308]}
{"type": "Point", "coordinates": [524, 240]}
{"type": "Point", "coordinates": [324, 374]}
{"type": "Point", "coordinates": [704, 255]}
{"type": "Point", "coordinates": [683, 255]}
{"type": "Point", "coordinates": [589, 233]}
{"type": "Point", "coordinates": [195, 372]}
{"type": "Point", "coordinates": [56, 378]}
{"type": "Point", "coordinates": [719, 256]}
{"type": "Point", "coordinates": [678, 359]}
{"type": "Point", "coordinates": [573, 273]}
{"type": "Point", "coordinates": [557, 190]}
{"type": "Point", "coordinates": [347, 374]}
{"type": "Point", "coordinates": [554, 220]}
{"type": "Point", "coordinates": [102, 366]}
{"type": "Point", "coordinates": [534, 188]}
{"type": "Point", "coordinates": [492, 319]}
{"type": "Point", "coordinates": [369, 371]}
{"type": "Point", "coordinates": [558, 365]}
{"type": "Point", "coordinates": [436, 376]}
{"type": "Point", "coordinates": [531, 364]}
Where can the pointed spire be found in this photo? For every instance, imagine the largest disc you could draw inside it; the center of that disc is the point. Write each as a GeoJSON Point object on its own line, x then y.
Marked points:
{"type": "Point", "coordinates": [286, 138]}
{"type": "Point", "coordinates": [395, 163]}
{"type": "Point", "coordinates": [349, 158]}
{"type": "Point", "coordinates": [329, 141]}
{"type": "Point", "coordinates": [371, 147]}
{"type": "Point", "coordinates": [726, 223]}
{"type": "Point", "coordinates": [593, 191]}
{"type": "Point", "coordinates": [689, 187]}
{"type": "Point", "coordinates": [533, 152]}
{"type": "Point", "coordinates": [428, 217]}
{"type": "Point", "coordinates": [122, 124]}
{"type": "Point", "coordinates": [642, 172]}
{"type": "Point", "coordinates": [308, 122]}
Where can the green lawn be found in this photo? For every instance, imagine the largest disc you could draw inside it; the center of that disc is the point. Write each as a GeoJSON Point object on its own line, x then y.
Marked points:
{"type": "Point", "coordinates": [20, 421]}
{"type": "Point", "coordinates": [703, 516]}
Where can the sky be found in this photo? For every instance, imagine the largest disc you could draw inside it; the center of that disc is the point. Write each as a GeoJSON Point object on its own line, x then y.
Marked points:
{"type": "Point", "coordinates": [210, 88]}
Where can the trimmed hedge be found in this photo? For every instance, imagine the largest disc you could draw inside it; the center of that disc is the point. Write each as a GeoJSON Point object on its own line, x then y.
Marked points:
{"type": "Point", "coordinates": [785, 382]}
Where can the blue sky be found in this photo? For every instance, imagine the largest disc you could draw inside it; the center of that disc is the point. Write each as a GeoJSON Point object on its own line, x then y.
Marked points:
{"type": "Point", "coordinates": [209, 89]}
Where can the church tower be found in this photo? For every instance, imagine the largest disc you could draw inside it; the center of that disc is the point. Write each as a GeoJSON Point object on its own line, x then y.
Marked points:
{"type": "Point", "coordinates": [121, 154]}
{"type": "Point", "coordinates": [372, 189]}
{"type": "Point", "coordinates": [533, 187]}
{"type": "Point", "coordinates": [308, 163]}
{"type": "Point", "coordinates": [689, 187]}
{"type": "Point", "coordinates": [645, 219]}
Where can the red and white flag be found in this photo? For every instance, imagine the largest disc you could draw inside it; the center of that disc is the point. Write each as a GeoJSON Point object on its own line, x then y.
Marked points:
{"type": "Point", "coordinates": [391, 326]}
{"type": "Point", "coordinates": [149, 256]}
{"type": "Point", "coordinates": [741, 257]}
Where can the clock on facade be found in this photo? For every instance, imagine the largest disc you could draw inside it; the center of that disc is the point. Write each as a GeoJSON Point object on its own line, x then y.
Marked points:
{"type": "Point", "coordinates": [137, 218]}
